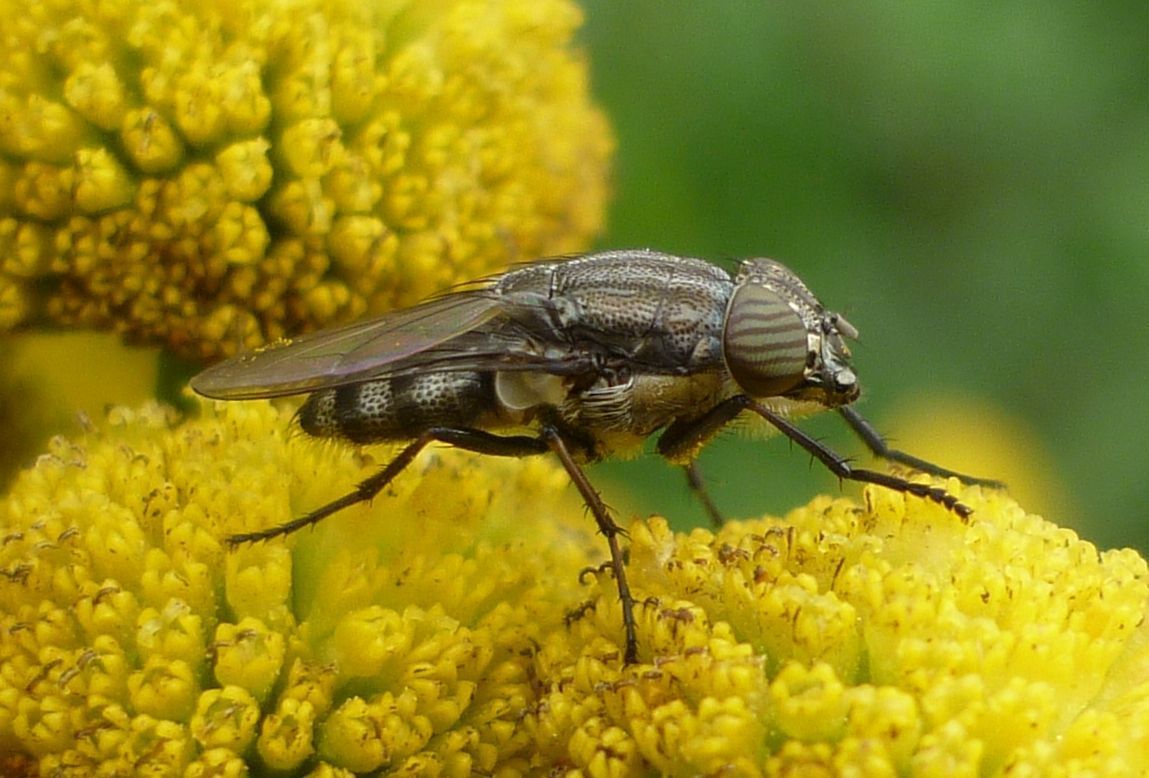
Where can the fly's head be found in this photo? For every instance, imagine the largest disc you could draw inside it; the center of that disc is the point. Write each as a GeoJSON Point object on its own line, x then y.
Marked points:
{"type": "Point", "coordinates": [778, 340]}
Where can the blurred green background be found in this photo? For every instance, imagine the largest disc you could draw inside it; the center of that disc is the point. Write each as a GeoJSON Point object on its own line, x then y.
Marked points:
{"type": "Point", "coordinates": [967, 182]}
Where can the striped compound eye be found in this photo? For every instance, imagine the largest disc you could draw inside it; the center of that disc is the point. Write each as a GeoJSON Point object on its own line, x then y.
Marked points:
{"type": "Point", "coordinates": [764, 342]}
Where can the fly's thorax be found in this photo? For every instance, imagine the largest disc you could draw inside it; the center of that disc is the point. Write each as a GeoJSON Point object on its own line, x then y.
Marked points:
{"type": "Point", "coordinates": [656, 309]}
{"type": "Point", "coordinates": [779, 341]}
{"type": "Point", "coordinates": [618, 413]}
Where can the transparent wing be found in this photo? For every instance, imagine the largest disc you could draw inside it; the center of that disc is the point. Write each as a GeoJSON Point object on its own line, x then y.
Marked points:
{"type": "Point", "coordinates": [356, 352]}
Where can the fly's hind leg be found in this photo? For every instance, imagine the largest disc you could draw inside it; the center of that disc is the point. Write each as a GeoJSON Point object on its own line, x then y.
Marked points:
{"type": "Point", "coordinates": [494, 445]}
{"type": "Point", "coordinates": [459, 437]}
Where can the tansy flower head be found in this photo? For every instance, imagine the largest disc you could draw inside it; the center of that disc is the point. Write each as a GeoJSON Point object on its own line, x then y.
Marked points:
{"type": "Point", "coordinates": [399, 635]}
{"type": "Point", "coordinates": [890, 639]}
{"type": "Point", "coordinates": [446, 628]}
{"type": "Point", "coordinates": [216, 174]}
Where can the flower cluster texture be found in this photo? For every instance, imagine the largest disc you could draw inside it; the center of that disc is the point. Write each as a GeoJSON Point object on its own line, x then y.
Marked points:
{"type": "Point", "coordinates": [212, 175]}
{"type": "Point", "coordinates": [462, 624]}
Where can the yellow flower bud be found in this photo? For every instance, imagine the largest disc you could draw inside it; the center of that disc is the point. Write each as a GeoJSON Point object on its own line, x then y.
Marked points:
{"type": "Point", "coordinates": [249, 656]}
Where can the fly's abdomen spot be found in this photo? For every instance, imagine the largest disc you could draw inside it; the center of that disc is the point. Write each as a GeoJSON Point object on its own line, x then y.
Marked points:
{"type": "Point", "coordinates": [317, 414]}
{"type": "Point", "coordinates": [396, 408]}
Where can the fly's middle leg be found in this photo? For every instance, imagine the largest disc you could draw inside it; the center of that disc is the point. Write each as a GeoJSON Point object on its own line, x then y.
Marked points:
{"type": "Point", "coordinates": [610, 529]}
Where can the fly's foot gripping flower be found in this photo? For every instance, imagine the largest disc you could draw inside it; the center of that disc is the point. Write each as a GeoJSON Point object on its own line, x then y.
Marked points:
{"type": "Point", "coordinates": [444, 629]}
{"type": "Point", "coordinates": [209, 175]}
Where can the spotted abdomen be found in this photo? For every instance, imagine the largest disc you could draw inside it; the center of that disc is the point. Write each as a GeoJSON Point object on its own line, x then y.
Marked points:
{"type": "Point", "coordinates": [397, 408]}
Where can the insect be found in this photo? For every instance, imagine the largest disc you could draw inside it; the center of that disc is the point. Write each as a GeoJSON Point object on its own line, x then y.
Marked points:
{"type": "Point", "coordinates": [583, 357]}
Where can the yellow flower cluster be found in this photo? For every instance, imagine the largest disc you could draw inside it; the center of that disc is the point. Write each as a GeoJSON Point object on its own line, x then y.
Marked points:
{"type": "Point", "coordinates": [218, 173]}
{"type": "Point", "coordinates": [444, 629]}
{"type": "Point", "coordinates": [894, 639]}
{"type": "Point", "coordinates": [53, 381]}
{"type": "Point", "coordinates": [132, 639]}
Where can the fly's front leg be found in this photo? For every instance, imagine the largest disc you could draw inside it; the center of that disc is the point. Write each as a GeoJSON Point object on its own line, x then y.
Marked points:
{"type": "Point", "coordinates": [554, 440]}
{"type": "Point", "coordinates": [877, 444]}
{"type": "Point", "coordinates": [843, 469]}
{"type": "Point", "coordinates": [459, 437]}
{"type": "Point", "coordinates": [684, 438]}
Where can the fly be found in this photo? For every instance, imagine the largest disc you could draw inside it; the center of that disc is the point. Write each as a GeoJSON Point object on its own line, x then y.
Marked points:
{"type": "Point", "coordinates": [583, 358]}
